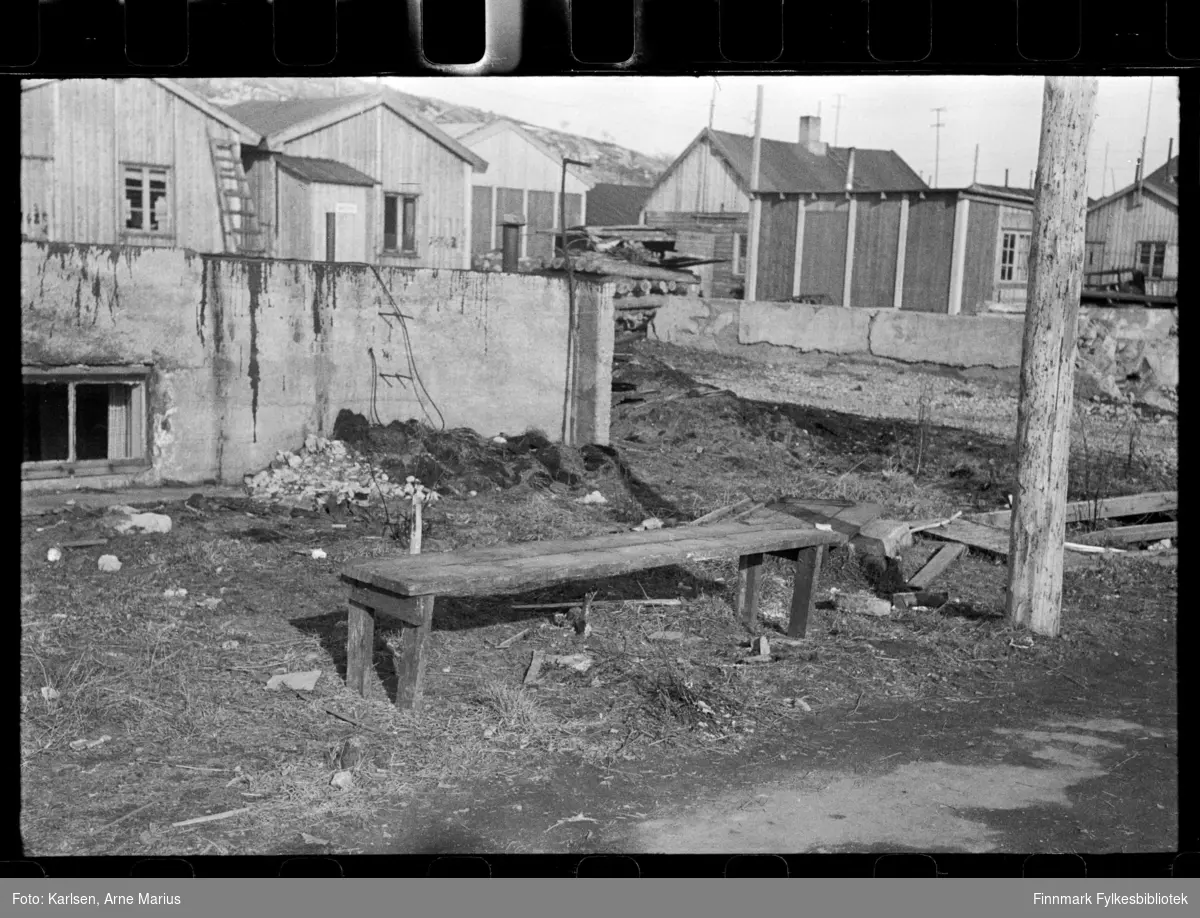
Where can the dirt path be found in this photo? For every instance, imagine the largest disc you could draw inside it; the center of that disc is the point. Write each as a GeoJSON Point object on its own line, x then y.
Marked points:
{"type": "Point", "coordinates": [1032, 769]}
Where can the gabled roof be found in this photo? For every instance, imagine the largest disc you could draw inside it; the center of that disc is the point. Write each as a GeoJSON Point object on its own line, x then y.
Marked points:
{"type": "Point", "coordinates": [1019, 195]}
{"type": "Point", "coordinates": [246, 133]}
{"type": "Point", "coordinates": [476, 132]}
{"type": "Point", "coordinates": [1161, 182]}
{"type": "Point", "coordinates": [282, 121]}
{"type": "Point", "coordinates": [329, 171]}
{"type": "Point", "coordinates": [792, 167]}
{"type": "Point", "coordinates": [615, 205]}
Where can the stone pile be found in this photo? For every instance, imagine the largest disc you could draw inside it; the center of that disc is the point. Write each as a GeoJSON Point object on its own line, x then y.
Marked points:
{"type": "Point", "coordinates": [321, 470]}
{"type": "Point", "coordinates": [1114, 365]}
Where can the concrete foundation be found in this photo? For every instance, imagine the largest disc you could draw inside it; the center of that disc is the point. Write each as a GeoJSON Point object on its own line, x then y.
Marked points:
{"type": "Point", "coordinates": [250, 356]}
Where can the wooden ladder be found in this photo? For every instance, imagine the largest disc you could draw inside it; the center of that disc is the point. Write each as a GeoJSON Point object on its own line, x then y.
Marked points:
{"type": "Point", "coordinates": [239, 224]}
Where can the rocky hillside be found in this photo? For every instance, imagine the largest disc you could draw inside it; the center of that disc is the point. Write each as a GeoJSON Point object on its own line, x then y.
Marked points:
{"type": "Point", "coordinates": [612, 163]}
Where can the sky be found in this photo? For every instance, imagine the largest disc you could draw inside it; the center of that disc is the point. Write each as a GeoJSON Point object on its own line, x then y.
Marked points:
{"type": "Point", "coordinates": [661, 115]}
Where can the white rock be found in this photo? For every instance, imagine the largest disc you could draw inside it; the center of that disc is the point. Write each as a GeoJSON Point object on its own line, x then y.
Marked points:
{"type": "Point", "coordinates": [54, 554]}
{"type": "Point", "coordinates": [594, 498]}
{"type": "Point", "coordinates": [294, 461]}
{"type": "Point", "coordinates": [318, 554]}
{"type": "Point", "coordinates": [499, 441]}
{"type": "Point", "coordinates": [310, 443]}
{"type": "Point", "coordinates": [143, 522]}
{"type": "Point", "coordinates": [341, 780]}
{"type": "Point", "coordinates": [109, 563]}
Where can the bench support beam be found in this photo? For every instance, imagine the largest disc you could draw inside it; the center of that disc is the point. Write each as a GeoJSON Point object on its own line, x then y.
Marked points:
{"type": "Point", "coordinates": [808, 571]}
{"type": "Point", "coordinates": [749, 568]}
{"type": "Point", "coordinates": [410, 661]}
{"type": "Point", "coordinates": [415, 614]}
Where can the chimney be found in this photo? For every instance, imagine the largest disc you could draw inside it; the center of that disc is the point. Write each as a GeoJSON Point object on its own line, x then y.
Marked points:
{"type": "Point", "coordinates": [810, 135]}
{"type": "Point", "coordinates": [850, 171]}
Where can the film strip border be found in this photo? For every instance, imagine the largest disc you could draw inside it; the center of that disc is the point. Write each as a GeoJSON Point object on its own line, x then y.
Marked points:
{"type": "Point", "coordinates": [1061, 866]}
{"type": "Point", "coordinates": [532, 37]}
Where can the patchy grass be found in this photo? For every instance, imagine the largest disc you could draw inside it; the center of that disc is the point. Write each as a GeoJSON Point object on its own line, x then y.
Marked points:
{"type": "Point", "coordinates": [178, 684]}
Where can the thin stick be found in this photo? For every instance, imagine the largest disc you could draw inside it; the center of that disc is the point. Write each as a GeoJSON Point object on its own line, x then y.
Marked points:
{"type": "Point", "coordinates": [603, 602]}
{"type": "Point", "coordinates": [934, 525]}
{"type": "Point", "coordinates": [228, 814]}
{"type": "Point", "coordinates": [508, 642]}
{"type": "Point", "coordinates": [144, 806]}
{"type": "Point", "coordinates": [349, 721]}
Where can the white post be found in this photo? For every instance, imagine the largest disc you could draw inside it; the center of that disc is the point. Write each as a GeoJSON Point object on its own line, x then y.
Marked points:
{"type": "Point", "coordinates": [901, 251]}
{"type": "Point", "coordinates": [755, 205]}
{"type": "Point", "coordinates": [468, 217]}
{"type": "Point", "coordinates": [850, 231]}
{"type": "Point", "coordinates": [962, 209]}
{"type": "Point", "coordinates": [797, 264]}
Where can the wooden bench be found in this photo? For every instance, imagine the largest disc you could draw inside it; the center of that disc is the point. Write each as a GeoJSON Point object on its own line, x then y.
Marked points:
{"type": "Point", "coordinates": [403, 588]}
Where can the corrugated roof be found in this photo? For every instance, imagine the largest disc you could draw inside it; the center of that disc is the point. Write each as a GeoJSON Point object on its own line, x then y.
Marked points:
{"type": "Point", "coordinates": [328, 171]}
{"type": "Point", "coordinates": [270, 116]}
{"type": "Point", "coordinates": [792, 167]}
{"type": "Point", "coordinates": [615, 205]}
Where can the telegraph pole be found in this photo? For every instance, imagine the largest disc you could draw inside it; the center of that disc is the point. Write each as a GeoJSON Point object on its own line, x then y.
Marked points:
{"type": "Point", "coordinates": [937, 144]}
{"type": "Point", "coordinates": [837, 118]}
{"type": "Point", "coordinates": [751, 290]}
{"type": "Point", "coordinates": [975, 169]}
{"type": "Point", "coordinates": [1038, 527]}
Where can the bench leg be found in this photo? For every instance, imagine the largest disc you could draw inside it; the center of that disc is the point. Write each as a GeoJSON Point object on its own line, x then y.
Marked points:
{"type": "Point", "coordinates": [410, 661]}
{"type": "Point", "coordinates": [746, 600]}
{"type": "Point", "coordinates": [808, 570]}
{"type": "Point", "coordinates": [360, 645]}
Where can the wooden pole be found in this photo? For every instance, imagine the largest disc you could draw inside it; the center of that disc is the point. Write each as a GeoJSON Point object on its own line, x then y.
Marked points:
{"type": "Point", "coordinates": [755, 204]}
{"type": "Point", "coordinates": [975, 168]}
{"type": "Point", "coordinates": [1038, 529]}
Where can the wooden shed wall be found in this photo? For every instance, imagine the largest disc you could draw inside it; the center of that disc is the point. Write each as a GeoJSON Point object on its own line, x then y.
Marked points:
{"type": "Point", "coordinates": [681, 190]}
{"type": "Point", "coordinates": [876, 251]}
{"type": "Point", "coordinates": [823, 267]}
{"type": "Point", "coordinates": [404, 160]}
{"type": "Point", "coordinates": [776, 249]}
{"type": "Point", "coordinates": [1121, 227]}
{"type": "Point", "coordinates": [295, 218]}
{"type": "Point", "coordinates": [516, 163]}
{"type": "Point", "coordinates": [482, 200]}
{"type": "Point", "coordinates": [92, 127]}
{"type": "Point", "coordinates": [979, 269]}
{"type": "Point", "coordinates": [928, 254]}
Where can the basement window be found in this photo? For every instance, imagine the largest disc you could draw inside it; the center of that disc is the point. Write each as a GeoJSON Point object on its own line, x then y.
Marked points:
{"type": "Point", "coordinates": [1151, 258]}
{"type": "Point", "coordinates": [400, 223]}
{"type": "Point", "coordinates": [1014, 257]}
{"type": "Point", "coordinates": [83, 421]}
{"type": "Point", "coordinates": [147, 194]}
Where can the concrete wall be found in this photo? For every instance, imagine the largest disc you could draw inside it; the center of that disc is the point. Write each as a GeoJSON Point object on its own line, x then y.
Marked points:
{"type": "Point", "coordinates": [251, 356]}
{"type": "Point", "coordinates": [1145, 338]}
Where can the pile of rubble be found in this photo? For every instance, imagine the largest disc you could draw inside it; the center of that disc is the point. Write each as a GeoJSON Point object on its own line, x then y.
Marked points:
{"type": "Point", "coordinates": [1117, 368]}
{"type": "Point", "coordinates": [322, 470]}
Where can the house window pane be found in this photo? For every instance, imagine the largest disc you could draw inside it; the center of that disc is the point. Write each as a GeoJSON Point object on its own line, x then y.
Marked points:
{"type": "Point", "coordinates": [390, 219]}
{"type": "Point", "coordinates": [1022, 264]}
{"type": "Point", "coordinates": [91, 422]}
{"type": "Point", "coordinates": [134, 202]}
{"type": "Point", "coordinates": [409, 240]}
{"type": "Point", "coordinates": [159, 215]}
{"type": "Point", "coordinates": [46, 427]}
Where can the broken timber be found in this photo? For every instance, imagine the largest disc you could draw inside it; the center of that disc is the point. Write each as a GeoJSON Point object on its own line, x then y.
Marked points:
{"type": "Point", "coordinates": [942, 559]}
{"type": "Point", "coordinates": [1083, 511]}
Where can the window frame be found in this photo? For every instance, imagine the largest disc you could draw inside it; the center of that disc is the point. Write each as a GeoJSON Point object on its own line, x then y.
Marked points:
{"type": "Point", "coordinates": [1156, 247]}
{"type": "Point", "coordinates": [737, 265]}
{"type": "Point", "coordinates": [136, 377]}
{"type": "Point", "coordinates": [1018, 267]}
{"type": "Point", "coordinates": [125, 207]}
{"type": "Point", "coordinates": [403, 242]}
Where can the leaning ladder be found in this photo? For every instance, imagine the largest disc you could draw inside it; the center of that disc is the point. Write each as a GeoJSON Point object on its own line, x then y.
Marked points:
{"type": "Point", "coordinates": [239, 226]}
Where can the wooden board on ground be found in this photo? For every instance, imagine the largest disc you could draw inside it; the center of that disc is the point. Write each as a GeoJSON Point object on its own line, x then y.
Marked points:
{"type": "Point", "coordinates": [1081, 511]}
{"type": "Point", "coordinates": [942, 559]}
{"type": "Point", "coordinates": [488, 571]}
{"type": "Point", "coordinates": [990, 539]}
{"type": "Point", "coordinates": [1129, 535]}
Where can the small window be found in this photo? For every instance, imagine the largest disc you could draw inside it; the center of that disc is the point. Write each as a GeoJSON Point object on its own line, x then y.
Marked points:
{"type": "Point", "coordinates": [1014, 257]}
{"type": "Point", "coordinates": [400, 223]}
{"type": "Point", "coordinates": [147, 200]}
{"type": "Point", "coordinates": [1151, 258]}
{"type": "Point", "coordinates": [83, 422]}
{"type": "Point", "coordinates": [740, 248]}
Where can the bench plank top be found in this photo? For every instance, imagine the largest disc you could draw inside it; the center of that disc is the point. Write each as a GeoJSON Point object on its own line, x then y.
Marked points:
{"type": "Point", "coordinates": [500, 568]}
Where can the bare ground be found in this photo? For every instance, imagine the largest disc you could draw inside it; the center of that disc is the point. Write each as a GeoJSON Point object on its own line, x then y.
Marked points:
{"type": "Point", "coordinates": [945, 730]}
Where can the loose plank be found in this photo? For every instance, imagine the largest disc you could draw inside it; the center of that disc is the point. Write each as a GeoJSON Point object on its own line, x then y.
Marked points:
{"type": "Point", "coordinates": [945, 556]}
{"type": "Point", "coordinates": [1081, 511]}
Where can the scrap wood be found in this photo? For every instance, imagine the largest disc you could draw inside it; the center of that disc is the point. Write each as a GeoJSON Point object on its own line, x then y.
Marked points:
{"type": "Point", "coordinates": [508, 642]}
{"type": "Point", "coordinates": [228, 814]}
{"type": "Point", "coordinates": [84, 543]}
{"type": "Point", "coordinates": [1082, 511]}
{"type": "Point", "coordinates": [1128, 535]}
{"type": "Point", "coordinates": [126, 816]}
{"type": "Point", "coordinates": [722, 512]}
{"type": "Point", "coordinates": [602, 602]}
{"type": "Point", "coordinates": [535, 667]}
{"type": "Point", "coordinates": [942, 559]}
{"type": "Point", "coordinates": [933, 524]}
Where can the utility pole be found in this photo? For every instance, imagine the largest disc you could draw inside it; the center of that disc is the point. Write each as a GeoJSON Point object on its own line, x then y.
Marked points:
{"type": "Point", "coordinates": [1038, 528]}
{"type": "Point", "coordinates": [702, 204]}
{"type": "Point", "coordinates": [1141, 175]}
{"type": "Point", "coordinates": [572, 318]}
{"type": "Point", "coordinates": [712, 105]}
{"type": "Point", "coordinates": [755, 204]}
{"type": "Point", "coordinates": [937, 144]}
{"type": "Point", "coordinates": [837, 118]}
{"type": "Point", "coordinates": [1104, 173]}
{"type": "Point", "coordinates": [975, 168]}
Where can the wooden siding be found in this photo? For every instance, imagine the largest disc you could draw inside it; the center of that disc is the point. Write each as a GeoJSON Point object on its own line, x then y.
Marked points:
{"type": "Point", "coordinates": [351, 228]}
{"type": "Point", "coordinates": [513, 162]}
{"type": "Point", "coordinates": [37, 198]}
{"type": "Point", "coordinates": [261, 172]}
{"type": "Point", "coordinates": [509, 201]}
{"type": "Point", "coordinates": [702, 183]}
{"type": "Point", "coordinates": [539, 241]}
{"type": "Point", "coordinates": [404, 160]}
{"type": "Point", "coordinates": [97, 125]}
{"type": "Point", "coordinates": [574, 209]}
{"type": "Point", "coordinates": [295, 219]}
{"type": "Point", "coordinates": [481, 219]}
{"type": "Point", "coordinates": [979, 271]}
{"type": "Point", "coordinates": [928, 254]}
{"type": "Point", "coordinates": [823, 262]}
{"type": "Point", "coordinates": [873, 275]}
{"type": "Point", "coordinates": [776, 249]}
{"type": "Point", "coordinates": [1121, 227]}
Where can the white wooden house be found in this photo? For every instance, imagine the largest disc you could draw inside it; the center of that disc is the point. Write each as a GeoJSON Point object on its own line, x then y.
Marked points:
{"type": "Point", "coordinates": [1137, 229]}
